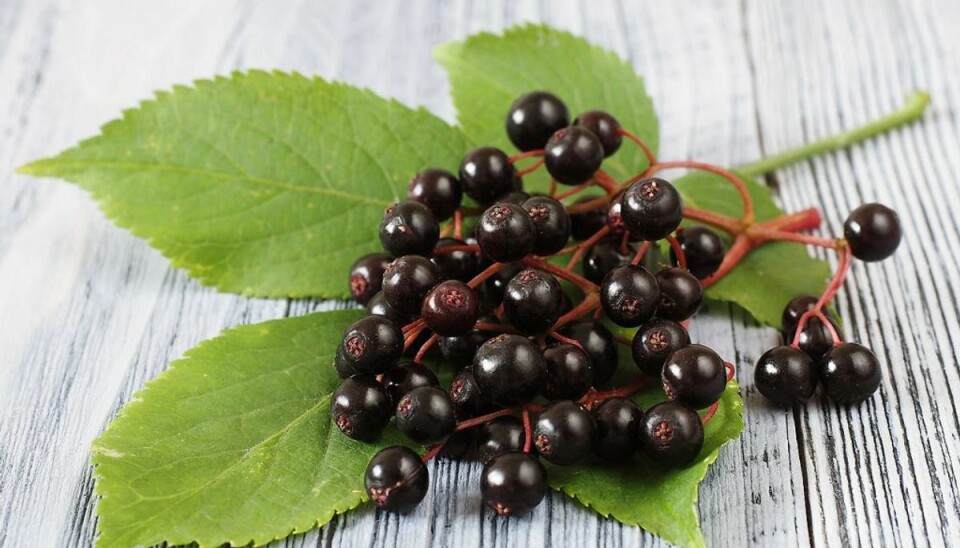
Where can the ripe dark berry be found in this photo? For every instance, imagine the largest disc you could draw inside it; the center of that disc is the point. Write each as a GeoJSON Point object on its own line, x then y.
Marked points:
{"type": "Point", "coordinates": [409, 228]}
{"type": "Point", "coordinates": [586, 224]}
{"type": "Point", "coordinates": [604, 126]}
{"type": "Point", "coordinates": [629, 295]}
{"type": "Point", "coordinates": [849, 372]}
{"type": "Point", "coordinates": [694, 375]}
{"type": "Point", "coordinates": [600, 259]}
{"type": "Point", "coordinates": [458, 351]}
{"type": "Point", "coordinates": [407, 281]}
{"type": "Point", "coordinates": [573, 155]}
{"type": "Point", "coordinates": [785, 375]}
{"type": "Point", "coordinates": [509, 369]}
{"type": "Point", "coordinates": [652, 208]}
{"type": "Point", "coordinates": [496, 285]}
{"type": "Point", "coordinates": [533, 118]}
{"type": "Point", "coordinates": [450, 308]}
{"type": "Point", "coordinates": [370, 346]}
{"type": "Point", "coordinates": [458, 445]}
{"type": "Point", "coordinates": [361, 408]}
{"type": "Point", "coordinates": [396, 479]}
{"type": "Point", "coordinates": [598, 342]}
{"type": "Point", "coordinates": [505, 233]}
{"type": "Point", "coordinates": [426, 415]}
{"type": "Point", "coordinates": [617, 423]}
{"type": "Point", "coordinates": [654, 342]}
{"type": "Point", "coordinates": [703, 249]}
{"type": "Point", "coordinates": [815, 338]}
{"type": "Point", "coordinates": [499, 436]}
{"type": "Point", "coordinates": [532, 301]}
{"type": "Point", "coordinates": [615, 217]}
{"type": "Point", "coordinates": [455, 265]}
{"type": "Point", "coordinates": [513, 483]}
{"type": "Point", "coordinates": [378, 306]}
{"type": "Point", "coordinates": [517, 197]}
{"type": "Point", "coordinates": [551, 224]}
{"type": "Point", "coordinates": [873, 232]}
{"type": "Point", "coordinates": [671, 434]}
{"type": "Point", "coordinates": [366, 276]}
{"type": "Point", "coordinates": [438, 189]}
{"type": "Point", "coordinates": [465, 395]}
{"type": "Point", "coordinates": [563, 432]}
{"type": "Point", "coordinates": [400, 380]}
{"type": "Point", "coordinates": [569, 372]}
{"type": "Point", "coordinates": [792, 312]}
{"type": "Point", "coordinates": [680, 294]}
{"type": "Point", "coordinates": [486, 174]}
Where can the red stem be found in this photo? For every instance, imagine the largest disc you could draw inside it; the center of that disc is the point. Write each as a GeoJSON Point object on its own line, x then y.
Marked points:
{"type": "Point", "coordinates": [483, 419]}
{"type": "Point", "coordinates": [678, 251]}
{"type": "Point", "coordinates": [710, 412]}
{"type": "Point", "coordinates": [727, 224]}
{"type": "Point", "coordinates": [533, 167]}
{"type": "Point", "coordinates": [651, 159]}
{"type": "Point", "coordinates": [434, 451]}
{"type": "Point", "coordinates": [568, 340]}
{"type": "Point", "coordinates": [425, 347]}
{"type": "Point", "coordinates": [638, 256]}
{"type": "Point", "coordinates": [573, 191]}
{"type": "Point", "coordinates": [482, 277]}
{"type": "Point", "coordinates": [587, 244]}
{"type": "Point", "coordinates": [606, 182]}
{"type": "Point", "coordinates": [458, 224]}
{"type": "Point", "coordinates": [527, 431]}
{"type": "Point", "coordinates": [527, 154]}
{"type": "Point", "coordinates": [584, 284]}
{"type": "Point", "coordinates": [728, 175]}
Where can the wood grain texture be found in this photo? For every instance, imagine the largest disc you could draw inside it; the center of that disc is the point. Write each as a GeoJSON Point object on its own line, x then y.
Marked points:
{"type": "Point", "coordinates": [89, 313]}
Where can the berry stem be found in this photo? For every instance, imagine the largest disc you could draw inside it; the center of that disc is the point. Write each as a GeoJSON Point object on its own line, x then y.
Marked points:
{"type": "Point", "coordinates": [842, 269]}
{"type": "Point", "coordinates": [727, 224]}
{"type": "Point", "coordinates": [710, 412]}
{"type": "Point", "coordinates": [627, 390]}
{"type": "Point", "coordinates": [651, 159]}
{"type": "Point", "coordinates": [596, 203]}
{"type": "Point", "coordinates": [425, 347]}
{"type": "Point", "coordinates": [587, 244]}
{"type": "Point", "coordinates": [584, 284]}
{"type": "Point", "coordinates": [489, 271]}
{"type": "Point", "coordinates": [483, 419]}
{"type": "Point", "coordinates": [678, 251]}
{"type": "Point", "coordinates": [764, 234]}
{"type": "Point", "coordinates": [710, 168]}
{"type": "Point", "coordinates": [458, 224]}
{"type": "Point", "coordinates": [527, 431]}
{"type": "Point", "coordinates": [434, 451]}
{"type": "Point", "coordinates": [568, 340]}
{"type": "Point", "coordinates": [494, 327]}
{"type": "Point", "coordinates": [538, 153]}
{"type": "Point", "coordinates": [606, 182]}
{"type": "Point", "coordinates": [741, 246]}
{"type": "Point", "coordinates": [574, 191]}
{"type": "Point", "coordinates": [638, 256]}
{"type": "Point", "coordinates": [589, 302]}
{"type": "Point", "coordinates": [911, 110]}
{"type": "Point", "coordinates": [807, 219]}
{"type": "Point", "coordinates": [528, 170]}
{"type": "Point", "coordinates": [455, 248]}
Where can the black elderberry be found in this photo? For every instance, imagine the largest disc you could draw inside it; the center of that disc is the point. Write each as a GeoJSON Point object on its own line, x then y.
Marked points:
{"type": "Point", "coordinates": [617, 423]}
{"type": "Point", "coordinates": [671, 434]}
{"type": "Point", "coordinates": [680, 294]}
{"type": "Point", "coordinates": [587, 223]}
{"type": "Point", "coordinates": [785, 375]}
{"type": "Point", "coordinates": [533, 118]}
{"type": "Point", "coordinates": [695, 376]}
{"type": "Point", "coordinates": [438, 189]}
{"type": "Point", "coordinates": [517, 197]}
{"type": "Point", "coordinates": [498, 436]}
{"type": "Point", "coordinates": [450, 308]}
{"type": "Point", "coordinates": [598, 342]}
{"type": "Point", "coordinates": [563, 432]}
{"type": "Point", "coordinates": [509, 369]}
{"type": "Point", "coordinates": [409, 228]}
{"type": "Point", "coordinates": [573, 155]}
{"type": "Point", "coordinates": [361, 408]}
{"type": "Point", "coordinates": [455, 265]}
{"type": "Point", "coordinates": [366, 276]}
{"type": "Point", "coordinates": [496, 285]}
{"type": "Point", "coordinates": [569, 372]}
{"type": "Point", "coordinates": [654, 342]}
{"type": "Point", "coordinates": [513, 483]}
{"type": "Point", "coordinates": [400, 380]}
{"type": "Point", "coordinates": [486, 174]}
{"type": "Point", "coordinates": [652, 208]}
{"type": "Point", "coordinates": [458, 445]}
{"type": "Point", "coordinates": [615, 218]}
{"type": "Point", "coordinates": [407, 281]}
{"type": "Point", "coordinates": [426, 415]}
{"type": "Point", "coordinates": [371, 345]}
{"type": "Point", "coordinates": [551, 224]}
{"type": "Point", "coordinates": [873, 232]}
{"type": "Point", "coordinates": [532, 301]}
{"type": "Point", "coordinates": [458, 351]}
{"type": "Point", "coordinates": [629, 295]}
{"type": "Point", "coordinates": [600, 259]}
{"type": "Point", "coordinates": [703, 249]}
{"type": "Point", "coordinates": [465, 395]}
{"type": "Point", "coordinates": [506, 233]}
{"type": "Point", "coordinates": [378, 306]}
{"type": "Point", "coordinates": [850, 373]}
{"type": "Point", "coordinates": [815, 337]}
{"type": "Point", "coordinates": [396, 479]}
{"type": "Point", "coordinates": [604, 126]}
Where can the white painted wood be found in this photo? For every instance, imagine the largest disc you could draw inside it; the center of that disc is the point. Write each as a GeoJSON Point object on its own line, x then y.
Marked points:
{"type": "Point", "coordinates": [88, 313]}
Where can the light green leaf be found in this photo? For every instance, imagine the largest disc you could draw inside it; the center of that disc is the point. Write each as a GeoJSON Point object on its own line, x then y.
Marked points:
{"type": "Point", "coordinates": [640, 492]}
{"type": "Point", "coordinates": [488, 72]}
{"type": "Point", "coordinates": [266, 184]}
{"type": "Point", "coordinates": [233, 443]}
{"type": "Point", "coordinates": [770, 275]}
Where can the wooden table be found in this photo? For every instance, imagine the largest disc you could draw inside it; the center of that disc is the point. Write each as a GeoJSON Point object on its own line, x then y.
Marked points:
{"type": "Point", "coordinates": [88, 313]}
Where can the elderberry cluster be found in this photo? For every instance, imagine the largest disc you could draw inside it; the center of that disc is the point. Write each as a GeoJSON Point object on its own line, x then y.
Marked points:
{"type": "Point", "coordinates": [531, 365]}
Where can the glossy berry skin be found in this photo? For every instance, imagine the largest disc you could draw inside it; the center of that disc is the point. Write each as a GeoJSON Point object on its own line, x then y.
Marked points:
{"type": "Point", "coordinates": [506, 233]}
{"type": "Point", "coordinates": [569, 372]}
{"type": "Point", "coordinates": [617, 423]}
{"type": "Point", "coordinates": [455, 265]}
{"type": "Point", "coordinates": [361, 408]}
{"type": "Point", "coordinates": [458, 445]}
{"type": "Point", "coordinates": [499, 436]}
{"type": "Point", "coordinates": [600, 259]}
{"type": "Point", "coordinates": [598, 342]}
{"type": "Point", "coordinates": [409, 228]}
{"type": "Point", "coordinates": [407, 281]}
{"type": "Point", "coordinates": [366, 276]}
{"type": "Point", "coordinates": [849, 373]}
{"type": "Point", "coordinates": [370, 346]}
{"type": "Point", "coordinates": [785, 376]}
{"type": "Point", "coordinates": [513, 483]}
{"type": "Point", "coordinates": [551, 224]}
{"type": "Point", "coordinates": [509, 369]}
{"type": "Point", "coordinates": [533, 118]}
{"type": "Point", "coordinates": [465, 395]}
{"type": "Point", "coordinates": [873, 232]}
{"type": "Point", "coordinates": [652, 208]}
{"type": "Point", "coordinates": [695, 376]}
{"type": "Point", "coordinates": [486, 174]}
{"type": "Point", "coordinates": [585, 224]}
{"type": "Point", "coordinates": [400, 380]}
{"type": "Point", "coordinates": [532, 301]}
{"type": "Point", "coordinates": [438, 189]}
{"type": "Point", "coordinates": [378, 306]}
{"type": "Point", "coordinates": [703, 249]}
{"type": "Point", "coordinates": [654, 342]}
{"type": "Point", "coordinates": [604, 126]}
{"type": "Point", "coordinates": [671, 434]}
{"type": "Point", "coordinates": [496, 285]}
{"type": "Point", "coordinates": [680, 294]}
{"type": "Point", "coordinates": [563, 432]}
{"type": "Point", "coordinates": [629, 295]}
{"type": "Point", "coordinates": [450, 308]}
{"type": "Point", "coordinates": [426, 415]}
{"type": "Point", "coordinates": [396, 479]}
{"type": "Point", "coordinates": [615, 218]}
{"type": "Point", "coordinates": [573, 155]}
{"type": "Point", "coordinates": [458, 351]}
{"type": "Point", "coordinates": [517, 197]}
{"type": "Point", "coordinates": [815, 338]}
{"type": "Point", "coordinates": [792, 312]}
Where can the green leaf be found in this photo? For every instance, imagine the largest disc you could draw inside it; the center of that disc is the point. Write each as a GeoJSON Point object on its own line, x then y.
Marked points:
{"type": "Point", "coordinates": [640, 492]}
{"type": "Point", "coordinates": [770, 275]}
{"type": "Point", "coordinates": [266, 184]}
{"type": "Point", "coordinates": [233, 443]}
{"type": "Point", "coordinates": [488, 72]}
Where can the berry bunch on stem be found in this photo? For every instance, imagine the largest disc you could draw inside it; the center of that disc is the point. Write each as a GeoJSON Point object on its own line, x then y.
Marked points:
{"type": "Point", "coordinates": [534, 364]}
